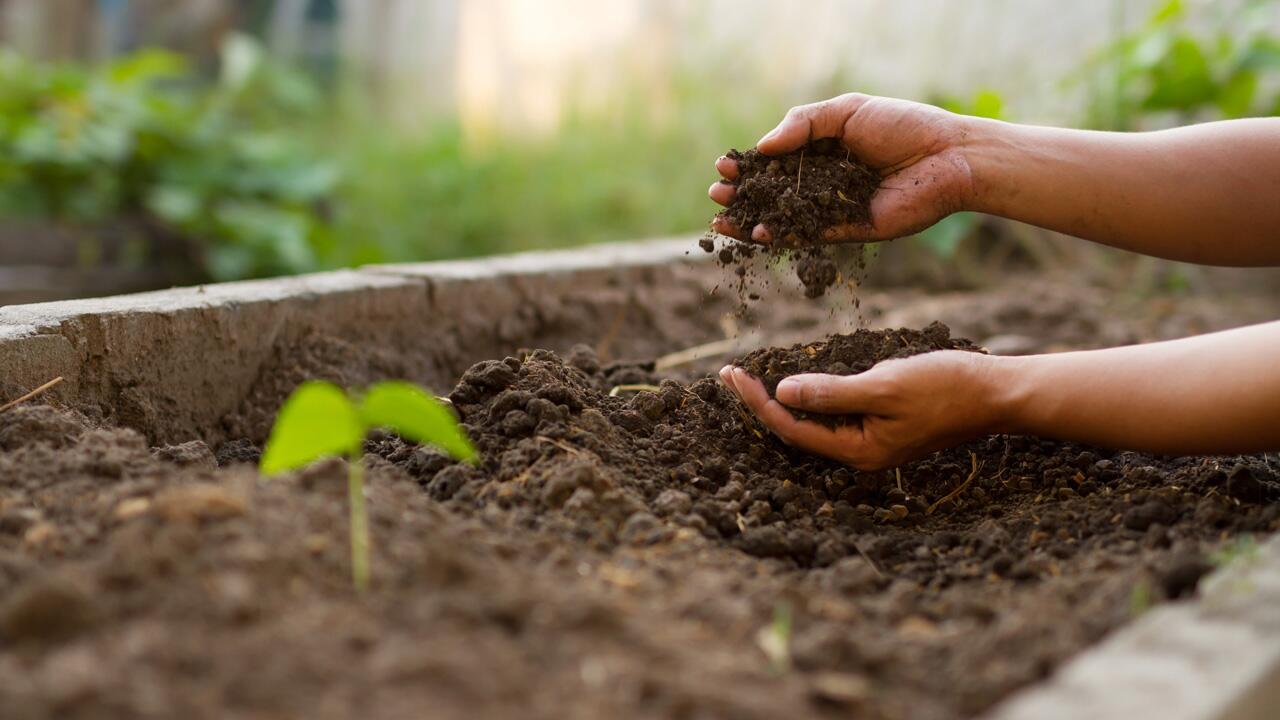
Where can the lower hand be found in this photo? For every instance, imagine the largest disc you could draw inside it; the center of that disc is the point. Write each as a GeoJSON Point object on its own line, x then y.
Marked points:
{"type": "Point", "coordinates": [908, 408]}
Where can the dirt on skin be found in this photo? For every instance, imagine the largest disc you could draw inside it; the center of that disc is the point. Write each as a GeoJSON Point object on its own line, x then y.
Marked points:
{"type": "Point", "coordinates": [614, 555]}
{"type": "Point", "coordinates": [846, 355]}
{"type": "Point", "coordinates": [798, 196]}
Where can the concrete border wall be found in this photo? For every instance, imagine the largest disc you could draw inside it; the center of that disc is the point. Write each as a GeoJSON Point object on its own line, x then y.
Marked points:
{"type": "Point", "coordinates": [173, 363]}
{"type": "Point", "coordinates": [1216, 657]}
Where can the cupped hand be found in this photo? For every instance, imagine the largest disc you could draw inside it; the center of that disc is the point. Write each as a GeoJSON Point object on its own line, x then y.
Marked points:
{"type": "Point", "coordinates": [908, 408]}
{"type": "Point", "coordinates": [918, 150]}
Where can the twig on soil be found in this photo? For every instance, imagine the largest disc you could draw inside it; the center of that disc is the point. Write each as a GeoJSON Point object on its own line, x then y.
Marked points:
{"type": "Point", "coordinates": [960, 488]}
{"type": "Point", "coordinates": [867, 557]}
{"type": "Point", "coordinates": [31, 394]}
{"type": "Point", "coordinates": [576, 452]}
{"type": "Point", "coordinates": [605, 345]}
{"type": "Point", "coordinates": [727, 346]}
{"type": "Point", "coordinates": [799, 171]}
{"type": "Point", "coordinates": [898, 474]}
{"type": "Point", "coordinates": [639, 387]}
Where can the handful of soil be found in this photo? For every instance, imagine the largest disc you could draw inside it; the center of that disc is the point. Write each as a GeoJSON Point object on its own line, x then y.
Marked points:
{"type": "Point", "coordinates": [798, 196]}
{"type": "Point", "coordinates": [846, 355]}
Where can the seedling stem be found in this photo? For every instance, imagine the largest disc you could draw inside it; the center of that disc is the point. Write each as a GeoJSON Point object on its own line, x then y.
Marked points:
{"type": "Point", "coordinates": [359, 523]}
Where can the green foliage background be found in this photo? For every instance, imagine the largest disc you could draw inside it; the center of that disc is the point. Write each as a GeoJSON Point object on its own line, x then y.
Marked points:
{"type": "Point", "coordinates": [266, 173]}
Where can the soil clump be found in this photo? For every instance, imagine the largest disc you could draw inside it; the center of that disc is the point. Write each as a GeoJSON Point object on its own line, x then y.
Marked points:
{"type": "Point", "coordinates": [846, 355]}
{"type": "Point", "coordinates": [799, 196]}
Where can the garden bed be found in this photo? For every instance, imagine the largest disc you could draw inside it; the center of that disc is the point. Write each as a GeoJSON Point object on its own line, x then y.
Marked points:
{"type": "Point", "coordinates": [633, 554]}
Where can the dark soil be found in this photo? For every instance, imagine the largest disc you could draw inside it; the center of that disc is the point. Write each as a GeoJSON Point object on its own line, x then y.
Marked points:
{"type": "Point", "coordinates": [846, 355]}
{"type": "Point", "coordinates": [798, 196]}
{"type": "Point", "coordinates": [612, 556]}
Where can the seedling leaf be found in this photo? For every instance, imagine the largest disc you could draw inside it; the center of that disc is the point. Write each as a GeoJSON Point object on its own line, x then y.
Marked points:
{"type": "Point", "coordinates": [317, 420]}
{"type": "Point", "coordinates": [410, 412]}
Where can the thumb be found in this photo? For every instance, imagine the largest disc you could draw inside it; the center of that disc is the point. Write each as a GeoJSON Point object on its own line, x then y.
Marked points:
{"type": "Point", "coordinates": [831, 394]}
{"type": "Point", "coordinates": [810, 122]}
{"type": "Point", "coordinates": [790, 134]}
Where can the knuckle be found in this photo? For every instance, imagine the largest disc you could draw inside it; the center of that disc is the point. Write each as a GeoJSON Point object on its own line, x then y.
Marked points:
{"type": "Point", "coordinates": [815, 394]}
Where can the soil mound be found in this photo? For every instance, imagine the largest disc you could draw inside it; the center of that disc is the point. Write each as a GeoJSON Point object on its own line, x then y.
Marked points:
{"type": "Point", "coordinates": [799, 195]}
{"type": "Point", "coordinates": [847, 355]}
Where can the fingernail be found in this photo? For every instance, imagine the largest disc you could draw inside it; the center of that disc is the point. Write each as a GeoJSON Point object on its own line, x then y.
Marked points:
{"type": "Point", "coordinates": [786, 390]}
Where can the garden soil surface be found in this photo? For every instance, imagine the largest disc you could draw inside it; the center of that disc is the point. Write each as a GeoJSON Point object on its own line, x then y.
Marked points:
{"type": "Point", "coordinates": [618, 553]}
{"type": "Point", "coordinates": [799, 196]}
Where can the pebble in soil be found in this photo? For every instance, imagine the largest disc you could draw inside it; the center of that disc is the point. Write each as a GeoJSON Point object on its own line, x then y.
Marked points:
{"type": "Point", "coordinates": [799, 196]}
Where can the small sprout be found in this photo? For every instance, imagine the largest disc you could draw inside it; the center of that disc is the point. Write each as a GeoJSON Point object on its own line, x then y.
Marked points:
{"type": "Point", "coordinates": [321, 420]}
{"type": "Point", "coordinates": [1140, 599]}
{"type": "Point", "coordinates": [775, 639]}
{"type": "Point", "coordinates": [619, 389]}
{"type": "Point", "coordinates": [1242, 549]}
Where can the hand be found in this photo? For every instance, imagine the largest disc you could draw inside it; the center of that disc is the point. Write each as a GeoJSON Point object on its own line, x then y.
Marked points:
{"type": "Point", "coordinates": [918, 150]}
{"type": "Point", "coordinates": [909, 408]}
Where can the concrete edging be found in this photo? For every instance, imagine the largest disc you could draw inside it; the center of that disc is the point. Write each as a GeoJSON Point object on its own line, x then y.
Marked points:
{"type": "Point", "coordinates": [173, 363]}
{"type": "Point", "coordinates": [1216, 657]}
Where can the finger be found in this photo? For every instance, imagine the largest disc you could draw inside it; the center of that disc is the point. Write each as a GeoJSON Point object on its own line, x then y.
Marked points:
{"type": "Point", "coordinates": [850, 233]}
{"type": "Point", "coordinates": [727, 167]}
{"type": "Point", "coordinates": [808, 436]}
{"type": "Point", "coordinates": [726, 377]}
{"type": "Point", "coordinates": [810, 122]}
{"type": "Point", "coordinates": [790, 134]}
{"type": "Point", "coordinates": [724, 226]}
{"type": "Point", "coordinates": [761, 234]}
{"type": "Point", "coordinates": [722, 192]}
{"type": "Point", "coordinates": [833, 394]}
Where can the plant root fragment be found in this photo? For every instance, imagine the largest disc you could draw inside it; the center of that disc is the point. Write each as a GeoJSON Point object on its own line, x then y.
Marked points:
{"type": "Point", "coordinates": [31, 394]}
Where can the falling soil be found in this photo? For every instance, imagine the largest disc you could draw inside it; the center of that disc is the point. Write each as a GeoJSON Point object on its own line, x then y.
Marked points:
{"type": "Point", "coordinates": [799, 196]}
{"type": "Point", "coordinates": [615, 554]}
{"type": "Point", "coordinates": [846, 355]}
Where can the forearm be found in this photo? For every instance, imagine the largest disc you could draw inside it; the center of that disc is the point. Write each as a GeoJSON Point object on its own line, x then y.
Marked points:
{"type": "Point", "coordinates": [1205, 193]}
{"type": "Point", "coordinates": [1210, 394]}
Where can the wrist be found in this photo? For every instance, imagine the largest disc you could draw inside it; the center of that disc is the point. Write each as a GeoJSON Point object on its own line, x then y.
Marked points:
{"type": "Point", "coordinates": [1007, 386]}
{"type": "Point", "coordinates": [985, 144]}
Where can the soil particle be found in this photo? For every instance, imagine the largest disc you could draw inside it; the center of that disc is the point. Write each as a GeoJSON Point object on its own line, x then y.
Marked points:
{"type": "Point", "coordinates": [45, 609]}
{"type": "Point", "coordinates": [799, 196]}
{"type": "Point", "coordinates": [1179, 578]}
{"type": "Point", "coordinates": [194, 454]}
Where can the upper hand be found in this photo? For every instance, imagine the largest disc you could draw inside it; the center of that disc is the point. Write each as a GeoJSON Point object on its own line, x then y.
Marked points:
{"type": "Point", "coordinates": [917, 148]}
{"type": "Point", "coordinates": [909, 408]}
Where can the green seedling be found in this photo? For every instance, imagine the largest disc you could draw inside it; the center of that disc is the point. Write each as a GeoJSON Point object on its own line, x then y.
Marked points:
{"type": "Point", "coordinates": [1242, 549]}
{"type": "Point", "coordinates": [774, 639]}
{"type": "Point", "coordinates": [1140, 600]}
{"type": "Point", "coordinates": [321, 420]}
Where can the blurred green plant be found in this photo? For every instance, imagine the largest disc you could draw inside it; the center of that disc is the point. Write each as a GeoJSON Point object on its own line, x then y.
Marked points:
{"type": "Point", "coordinates": [223, 164]}
{"type": "Point", "coordinates": [267, 175]}
{"type": "Point", "coordinates": [1221, 62]}
{"type": "Point", "coordinates": [318, 419]}
{"type": "Point", "coordinates": [945, 236]}
{"type": "Point", "coordinates": [619, 173]}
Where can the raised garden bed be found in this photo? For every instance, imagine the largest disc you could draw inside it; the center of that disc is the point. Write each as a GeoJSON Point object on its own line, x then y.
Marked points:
{"type": "Point", "coordinates": [632, 553]}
